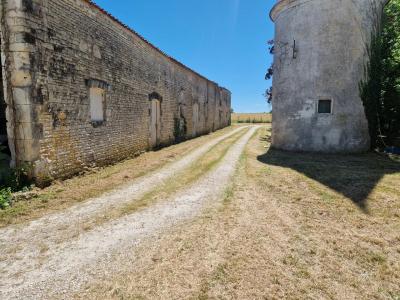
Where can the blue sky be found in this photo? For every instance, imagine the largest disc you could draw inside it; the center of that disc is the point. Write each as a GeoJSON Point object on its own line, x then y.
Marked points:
{"type": "Point", "coordinates": [224, 40]}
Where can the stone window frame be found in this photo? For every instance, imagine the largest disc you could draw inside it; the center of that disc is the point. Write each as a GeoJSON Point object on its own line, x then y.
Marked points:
{"type": "Point", "coordinates": [98, 84]}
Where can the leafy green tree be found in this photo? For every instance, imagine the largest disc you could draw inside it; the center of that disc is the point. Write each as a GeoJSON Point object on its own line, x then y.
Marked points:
{"type": "Point", "coordinates": [390, 104]}
{"type": "Point", "coordinates": [381, 91]}
{"type": "Point", "coordinates": [270, 72]}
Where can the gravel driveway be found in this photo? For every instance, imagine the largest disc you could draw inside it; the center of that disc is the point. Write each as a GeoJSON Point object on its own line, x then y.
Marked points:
{"type": "Point", "coordinates": [53, 257]}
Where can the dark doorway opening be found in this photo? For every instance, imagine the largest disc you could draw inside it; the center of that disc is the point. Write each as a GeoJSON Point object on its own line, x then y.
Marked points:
{"type": "Point", "coordinates": [5, 154]}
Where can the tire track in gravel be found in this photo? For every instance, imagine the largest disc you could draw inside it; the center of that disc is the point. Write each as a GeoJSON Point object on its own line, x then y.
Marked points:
{"type": "Point", "coordinates": [63, 269]}
{"type": "Point", "coordinates": [28, 244]}
{"type": "Point", "coordinates": [76, 214]}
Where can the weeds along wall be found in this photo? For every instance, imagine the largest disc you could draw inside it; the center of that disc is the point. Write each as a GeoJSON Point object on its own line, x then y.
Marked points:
{"type": "Point", "coordinates": [81, 89]}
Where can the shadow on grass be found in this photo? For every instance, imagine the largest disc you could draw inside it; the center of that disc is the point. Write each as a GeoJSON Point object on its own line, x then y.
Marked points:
{"type": "Point", "coordinates": [354, 176]}
{"type": "Point", "coordinates": [4, 167]}
{"type": "Point", "coordinates": [8, 176]}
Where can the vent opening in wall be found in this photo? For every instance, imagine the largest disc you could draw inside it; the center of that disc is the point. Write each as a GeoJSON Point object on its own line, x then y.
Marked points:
{"type": "Point", "coordinates": [325, 106]}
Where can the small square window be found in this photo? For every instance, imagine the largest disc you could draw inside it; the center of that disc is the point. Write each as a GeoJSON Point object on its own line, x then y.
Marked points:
{"type": "Point", "coordinates": [97, 98]}
{"type": "Point", "coordinates": [325, 106]}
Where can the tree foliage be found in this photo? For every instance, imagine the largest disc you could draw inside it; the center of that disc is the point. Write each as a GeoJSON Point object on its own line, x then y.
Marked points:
{"type": "Point", "coordinates": [270, 72]}
{"type": "Point", "coordinates": [380, 92]}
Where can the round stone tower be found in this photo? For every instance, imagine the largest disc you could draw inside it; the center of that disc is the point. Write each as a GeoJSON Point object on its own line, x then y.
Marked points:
{"type": "Point", "coordinates": [320, 54]}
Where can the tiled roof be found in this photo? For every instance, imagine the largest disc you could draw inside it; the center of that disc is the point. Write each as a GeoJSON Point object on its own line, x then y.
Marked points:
{"type": "Point", "coordinates": [94, 5]}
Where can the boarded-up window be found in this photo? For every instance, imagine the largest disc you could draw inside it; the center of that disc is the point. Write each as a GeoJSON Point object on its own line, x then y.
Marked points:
{"type": "Point", "coordinates": [97, 99]}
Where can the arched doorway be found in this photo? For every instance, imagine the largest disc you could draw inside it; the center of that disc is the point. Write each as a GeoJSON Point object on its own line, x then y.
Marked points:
{"type": "Point", "coordinates": [155, 120]}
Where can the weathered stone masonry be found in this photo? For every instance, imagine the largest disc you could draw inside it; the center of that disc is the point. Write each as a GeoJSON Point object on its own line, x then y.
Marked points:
{"type": "Point", "coordinates": [320, 56]}
{"type": "Point", "coordinates": [56, 54]}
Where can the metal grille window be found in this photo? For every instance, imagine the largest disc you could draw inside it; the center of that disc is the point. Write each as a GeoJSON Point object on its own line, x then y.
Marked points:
{"type": "Point", "coordinates": [325, 106]}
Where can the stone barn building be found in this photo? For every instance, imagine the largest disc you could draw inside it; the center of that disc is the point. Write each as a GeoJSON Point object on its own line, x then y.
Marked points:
{"type": "Point", "coordinates": [80, 89]}
{"type": "Point", "coordinates": [321, 49]}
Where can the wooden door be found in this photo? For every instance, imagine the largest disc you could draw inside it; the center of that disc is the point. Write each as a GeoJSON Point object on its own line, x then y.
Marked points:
{"type": "Point", "coordinates": [155, 123]}
{"type": "Point", "coordinates": [195, 119]}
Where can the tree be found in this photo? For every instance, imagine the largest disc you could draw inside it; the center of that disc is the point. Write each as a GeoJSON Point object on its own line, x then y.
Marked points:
{"type": "Point", "coordinates": [270, 72]}
{"type": "Point", "coordinates": [391, 71]}
{"type": "Point", "coordinates": [380, 92]}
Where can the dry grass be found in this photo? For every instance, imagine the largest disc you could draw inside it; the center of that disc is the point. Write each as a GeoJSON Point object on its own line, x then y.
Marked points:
{"type": "Point", "coordinates": [251, 118]}
{"type": "Point", "coordinates": [181, 180]}
{"type": "Point", "coordinates": [69, 192]}
{"type": "Point", "coordinates": [292, 226]}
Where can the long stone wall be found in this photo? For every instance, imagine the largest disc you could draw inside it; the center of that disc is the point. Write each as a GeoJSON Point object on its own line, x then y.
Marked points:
{"type": "Point", "coordinates": [60, 49]}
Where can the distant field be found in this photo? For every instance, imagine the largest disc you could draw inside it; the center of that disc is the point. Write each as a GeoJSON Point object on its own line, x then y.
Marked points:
{"type": "Point", "coordinates": [251, 118]}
